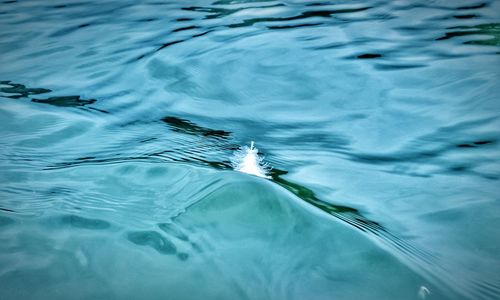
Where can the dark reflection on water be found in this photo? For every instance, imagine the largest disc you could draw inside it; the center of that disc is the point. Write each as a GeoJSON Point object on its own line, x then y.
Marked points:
{"type": "Point", "coordinates": [380, 120]}
{"type": "Point", "coordinates": [491, 31]}
{"type": "Point", "coordinates": [184, 126]}
{"type": "Point", "coordinates": [17, 91]}
{"type": "Point", "coordinates": [154, 240]}
{"type": "Point", "coordinates": [65, 101]}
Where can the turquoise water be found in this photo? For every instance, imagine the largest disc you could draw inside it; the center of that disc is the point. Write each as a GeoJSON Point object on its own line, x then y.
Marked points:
{"type": "Point", "coordinates": [380, 120]}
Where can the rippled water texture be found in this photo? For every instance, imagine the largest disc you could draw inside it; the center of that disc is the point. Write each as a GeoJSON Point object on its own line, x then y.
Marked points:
{"type": "Point", "coordinates": [380, 120]}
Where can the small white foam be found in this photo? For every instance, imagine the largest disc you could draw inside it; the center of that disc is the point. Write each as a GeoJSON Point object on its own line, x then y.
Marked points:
{"type": "Point", "coordinates": [423, 292]}
{"type": "Point", "coordinates": [247, 160]}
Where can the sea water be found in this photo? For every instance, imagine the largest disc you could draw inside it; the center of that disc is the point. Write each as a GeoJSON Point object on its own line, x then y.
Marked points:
{"type": "Point", "coordinates": [377, 125]}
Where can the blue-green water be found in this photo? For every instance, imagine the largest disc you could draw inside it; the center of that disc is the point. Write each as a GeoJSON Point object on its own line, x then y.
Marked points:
{"type": "Point", "coordinates": [380, 119]}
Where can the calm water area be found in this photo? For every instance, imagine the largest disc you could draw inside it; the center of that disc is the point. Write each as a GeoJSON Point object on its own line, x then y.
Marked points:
{"type": "Point", "coordinates": [379, 121]}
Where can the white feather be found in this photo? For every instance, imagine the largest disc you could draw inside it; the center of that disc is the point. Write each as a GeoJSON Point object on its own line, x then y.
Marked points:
{"type": "Point", "coordinates": [247, 160]}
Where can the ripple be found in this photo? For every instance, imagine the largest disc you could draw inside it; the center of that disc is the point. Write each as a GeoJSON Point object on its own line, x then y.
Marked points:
{"type": "Point", "coordinates": [84, 223]}
{"type": "Point", "coordinates": [6, 221]}
{"type": "Point", "coordinates": [432, 149]}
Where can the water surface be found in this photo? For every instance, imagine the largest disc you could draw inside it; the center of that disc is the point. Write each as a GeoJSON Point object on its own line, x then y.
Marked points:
{"type": "Point", "coordinates": [119, 120]}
